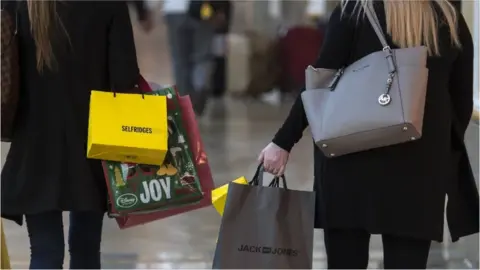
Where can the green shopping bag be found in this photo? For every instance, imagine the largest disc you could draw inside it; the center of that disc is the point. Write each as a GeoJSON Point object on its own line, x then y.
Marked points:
{"type": "Point", "coordinates": [140, 189]}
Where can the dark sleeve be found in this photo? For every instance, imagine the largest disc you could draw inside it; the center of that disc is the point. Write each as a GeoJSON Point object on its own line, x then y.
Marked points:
{"type": "Point", "coordinates": [122, 56]}
{"type": "Point", "coordinates": [461, 80]}
{"type": "Point", "coordinates": [10, 6]}
{"type": "Point", "coordinates": [334, 54]}
{"type": "Point", "coordinates": [140, 8]}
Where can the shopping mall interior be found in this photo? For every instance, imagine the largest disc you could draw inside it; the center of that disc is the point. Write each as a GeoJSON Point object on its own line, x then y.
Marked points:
{"type": "Point", "coordinates": [234, 131]}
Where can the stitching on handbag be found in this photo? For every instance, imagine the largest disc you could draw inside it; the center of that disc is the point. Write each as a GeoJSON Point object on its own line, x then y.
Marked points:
{"type": "Point", "coordinates": [363, 131]}
{"type": "Point", "coordinates": [398, 85]}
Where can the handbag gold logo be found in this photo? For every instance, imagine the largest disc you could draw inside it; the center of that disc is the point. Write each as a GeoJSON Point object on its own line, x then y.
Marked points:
{"type": "Point", "coordinates": [147, 130]}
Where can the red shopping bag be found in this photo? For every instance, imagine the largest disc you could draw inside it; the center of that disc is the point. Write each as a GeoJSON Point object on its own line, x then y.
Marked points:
{"type": "Point", "coordinates": [201, 164]}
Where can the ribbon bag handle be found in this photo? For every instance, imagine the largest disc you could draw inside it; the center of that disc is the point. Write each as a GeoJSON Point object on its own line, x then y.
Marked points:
{"type": "Point", "coordinates": [257, 179]}
{"type": "Point", "coordinates": [276, 182]}
{"type": "Point", "coordinates": [142, 86]}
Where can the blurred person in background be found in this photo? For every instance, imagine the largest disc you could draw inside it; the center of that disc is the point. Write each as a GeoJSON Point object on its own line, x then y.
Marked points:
{"type": "Point", "coordinates": [191, 26]}
{"type": "Point", "coordinates": [317, 13]}
{"type": "Point", "coordinates": [220, 49]}
{"type": "Point", "coordinates": [66, 49]}
{"type": "Point", "coordinates": [397, 191]}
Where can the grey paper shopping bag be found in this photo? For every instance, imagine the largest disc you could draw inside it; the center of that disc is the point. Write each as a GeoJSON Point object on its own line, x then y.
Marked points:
{"type": "Point", "coordinates": [266, 228]}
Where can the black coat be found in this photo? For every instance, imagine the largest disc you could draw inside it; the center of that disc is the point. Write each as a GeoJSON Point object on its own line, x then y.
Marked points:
{"type": "Point", "coordinates": [46, 168]}
{"type": "Point", "coordinates": [399, 189]}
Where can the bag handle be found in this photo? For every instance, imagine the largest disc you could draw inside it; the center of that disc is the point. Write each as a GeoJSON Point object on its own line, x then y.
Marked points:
{"type": "Point", "coordinates": [373, 19]}
{"type": "Point", "coordinates": [258, 178]}
{"type": "Point", "coordinates": [276, 182]}
{"type": "Point", "coordinates": [384, 98]}
{"type": "Point", "coordinates": [142, 86]}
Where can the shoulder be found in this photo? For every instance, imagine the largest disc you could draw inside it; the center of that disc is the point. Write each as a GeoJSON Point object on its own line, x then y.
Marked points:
{"type": "Point", "coordinates": [463, 30]}
{"type": "Point", "coordinates": [105, 7]}
{"type": "Point", "coordinates": [10, 6]}
{"type": "Point", "coordinates": [464, 36]}
{"type": "Point", "coordinates": [346, 12]}
{"type": "Point", "coordinates": [97, 12]}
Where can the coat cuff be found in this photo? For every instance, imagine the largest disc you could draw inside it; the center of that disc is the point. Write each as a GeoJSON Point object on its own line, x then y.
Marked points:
{"type": "Point", "coordinates": [283, 143]}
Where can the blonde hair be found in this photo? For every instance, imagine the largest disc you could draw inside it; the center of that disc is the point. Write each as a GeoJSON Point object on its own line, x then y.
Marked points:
{"type": "Point", "coordinates": [43, 15]}
{"type": "Point", "coordinates": [413, 23]}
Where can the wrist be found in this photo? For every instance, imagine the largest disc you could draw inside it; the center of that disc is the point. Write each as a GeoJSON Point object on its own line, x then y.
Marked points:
{"type": "Point", "coordinates": [284, 144]}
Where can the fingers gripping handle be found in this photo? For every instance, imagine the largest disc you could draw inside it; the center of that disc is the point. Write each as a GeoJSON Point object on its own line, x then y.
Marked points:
{"type": "Point", "coordinates": [258, 178]}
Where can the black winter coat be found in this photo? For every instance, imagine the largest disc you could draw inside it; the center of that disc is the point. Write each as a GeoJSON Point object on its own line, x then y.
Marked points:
{"type": "Point", "coordinates": [46, 168]}
{"type": "Point", "coordinates": [399, 189]}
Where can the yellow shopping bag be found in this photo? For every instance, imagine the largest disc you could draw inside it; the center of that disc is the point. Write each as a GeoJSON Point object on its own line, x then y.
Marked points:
{"type": "Point", "coordinates": [129, 128]}
{"type": "Point", "coordinates": [5, 258]}
{"type": "Point", "coordinates": [219, 195]}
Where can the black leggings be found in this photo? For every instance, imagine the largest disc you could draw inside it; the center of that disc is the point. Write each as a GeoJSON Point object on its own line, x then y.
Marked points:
{"type": "Point", "coordinates": [47, 242]}
{"type": "Point", "coordinates": [349, 249]}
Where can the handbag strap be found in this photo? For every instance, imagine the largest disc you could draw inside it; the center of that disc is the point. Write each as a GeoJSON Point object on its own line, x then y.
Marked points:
{"type": "Point", "coordinates": [375, 23]}
{"type": "Point", "coordinates": [373, 19]}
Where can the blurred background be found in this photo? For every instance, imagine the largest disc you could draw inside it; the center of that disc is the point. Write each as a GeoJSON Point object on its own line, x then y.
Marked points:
{"type": "Point", "coordinates": [253, 93]}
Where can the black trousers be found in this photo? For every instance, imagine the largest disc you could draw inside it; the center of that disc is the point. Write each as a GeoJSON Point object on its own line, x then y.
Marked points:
{"type": "Point", "coordinates": [47, 242]}
{"type": "Point", "coordinates": [349, 249]}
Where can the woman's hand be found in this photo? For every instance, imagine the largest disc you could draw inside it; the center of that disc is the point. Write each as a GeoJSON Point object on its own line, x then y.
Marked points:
{"type": "Point", "coordinates": [274, 159]}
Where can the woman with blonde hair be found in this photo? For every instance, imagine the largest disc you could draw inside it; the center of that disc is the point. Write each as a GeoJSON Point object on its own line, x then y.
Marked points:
{"type": "Point", "coordinates": [396, 191]}
{"type": "Point", "coordinates": [66, 49]}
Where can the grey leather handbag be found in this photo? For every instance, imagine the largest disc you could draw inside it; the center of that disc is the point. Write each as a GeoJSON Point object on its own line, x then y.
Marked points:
{"type": "Point", "coordinates": [377, 101]}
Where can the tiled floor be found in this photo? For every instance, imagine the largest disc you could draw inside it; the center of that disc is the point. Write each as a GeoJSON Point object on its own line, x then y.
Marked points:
{"type": "Point", "coordinates": [233, 133]}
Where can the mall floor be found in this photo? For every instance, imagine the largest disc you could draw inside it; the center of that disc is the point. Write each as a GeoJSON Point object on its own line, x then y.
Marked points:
{"type": "Point", "coordinates": [233, 132]}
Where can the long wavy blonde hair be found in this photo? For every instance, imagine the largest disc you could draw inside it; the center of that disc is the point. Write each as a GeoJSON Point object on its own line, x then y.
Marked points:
{"type": "Point", "coordinates": [413, 23]}
{"type": "Point", "coordinates": [43, 15]}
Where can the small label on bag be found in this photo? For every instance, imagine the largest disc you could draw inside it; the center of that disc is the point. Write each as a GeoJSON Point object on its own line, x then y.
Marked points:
{"type": "Point", "coordinates": [269, 250]}
{"type": "Point", "coordinates": [137, 129]}
{"type": "Point", "coordinates": [130, 157]}
{"type": "Point", "coordinates": [127, 200]}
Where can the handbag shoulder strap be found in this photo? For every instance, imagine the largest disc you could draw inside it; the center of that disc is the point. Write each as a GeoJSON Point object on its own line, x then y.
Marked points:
{"type": "Point", "coordinates": [373, 19]}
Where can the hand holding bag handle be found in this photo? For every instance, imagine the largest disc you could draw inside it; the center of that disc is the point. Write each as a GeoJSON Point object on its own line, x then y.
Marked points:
{"type": "Point", "coordinates": [257, 179]}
